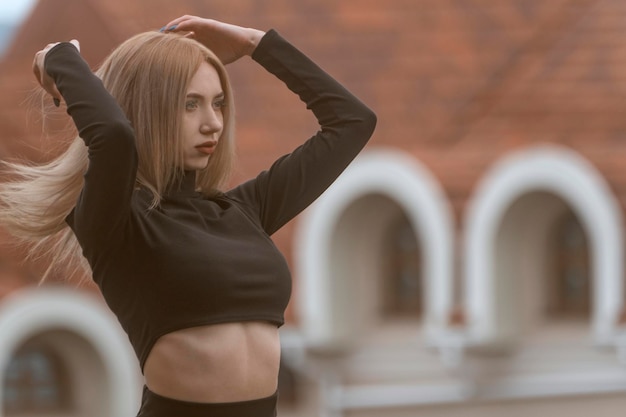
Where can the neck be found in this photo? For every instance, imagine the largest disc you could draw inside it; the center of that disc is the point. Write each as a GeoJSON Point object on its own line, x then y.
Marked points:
{"type": "Point", "coordinates": [183, 184]}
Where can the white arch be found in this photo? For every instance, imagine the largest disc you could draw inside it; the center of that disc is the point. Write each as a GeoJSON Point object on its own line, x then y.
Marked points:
{"type": "Point", "coordinates": [565, 173]}
{"type": "Point", "coordinates": [28, 313]}
{"type": "Point", "coordinates": [401, 178]}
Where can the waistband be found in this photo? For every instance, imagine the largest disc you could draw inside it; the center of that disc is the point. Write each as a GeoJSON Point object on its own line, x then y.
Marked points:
{"type": "Point", "coordinates": [155, 405]}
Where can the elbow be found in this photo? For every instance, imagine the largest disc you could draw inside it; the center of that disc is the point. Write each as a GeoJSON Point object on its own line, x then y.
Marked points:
{"type": "Point", "coordinates": [112, 139]}
{"type": "Point", "coordinates": [113, 133]}
{"type": "Point", "coordinates": [370, 119]}
{"type": "Point", "coordinates": [120, 131]}
{"type": "Point", "coordinates": [367, 123]}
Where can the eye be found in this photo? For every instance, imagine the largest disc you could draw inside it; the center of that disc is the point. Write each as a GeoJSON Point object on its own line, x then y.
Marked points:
{"type": "Point", "coordinates": [219, 104]}
{"type": "Point", "coordinates": [191, 105]}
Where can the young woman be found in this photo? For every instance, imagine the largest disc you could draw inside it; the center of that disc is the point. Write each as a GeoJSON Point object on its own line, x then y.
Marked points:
{"type": "Point", "coordinates": [189, 270]}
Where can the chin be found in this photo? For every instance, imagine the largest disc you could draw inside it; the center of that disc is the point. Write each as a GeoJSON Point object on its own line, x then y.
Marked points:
{"type": "Point", "coordinates": [196, 165]}
{"type": "Point", "coordinates": [194, 168]}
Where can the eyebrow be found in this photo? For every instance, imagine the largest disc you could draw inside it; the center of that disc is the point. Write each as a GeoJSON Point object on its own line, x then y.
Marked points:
{"type": "Point", "coordinates": [201, 97]}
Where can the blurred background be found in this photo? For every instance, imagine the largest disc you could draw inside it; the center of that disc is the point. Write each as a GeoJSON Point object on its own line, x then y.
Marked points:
{"type": "Point", "coordinates": [470, 262]}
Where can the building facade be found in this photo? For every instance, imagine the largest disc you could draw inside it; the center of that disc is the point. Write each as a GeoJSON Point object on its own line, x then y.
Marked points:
{"type": "Point", "coordinates": [469, 262]}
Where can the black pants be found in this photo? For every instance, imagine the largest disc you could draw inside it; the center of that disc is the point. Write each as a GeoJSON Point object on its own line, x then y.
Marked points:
{"type": "Point", "coordinates": [154, 405]}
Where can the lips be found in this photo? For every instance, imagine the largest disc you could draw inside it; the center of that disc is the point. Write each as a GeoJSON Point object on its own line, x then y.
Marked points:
{"type": "Point", "coordinates": [207, 148]}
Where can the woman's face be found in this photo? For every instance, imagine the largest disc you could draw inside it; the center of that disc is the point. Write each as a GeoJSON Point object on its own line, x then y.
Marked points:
{"type": "Point", "coordinates": [203, 121]}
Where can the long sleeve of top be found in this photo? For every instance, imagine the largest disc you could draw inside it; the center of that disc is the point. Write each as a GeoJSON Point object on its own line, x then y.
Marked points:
{"type": "Point", "coordinates": [199, 260]}
{"type": "Point", "coordinates": [296, 180]}
{"type": "Point", "coordinates": [104, 203]}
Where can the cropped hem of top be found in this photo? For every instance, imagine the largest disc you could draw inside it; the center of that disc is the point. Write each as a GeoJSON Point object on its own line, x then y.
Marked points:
{"type": "Point", "coordinates": [195, 259]}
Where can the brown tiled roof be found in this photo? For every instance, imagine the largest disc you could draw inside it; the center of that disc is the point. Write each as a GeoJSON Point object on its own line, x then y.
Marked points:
{"type": "Point", "coordinates": [564, 85]}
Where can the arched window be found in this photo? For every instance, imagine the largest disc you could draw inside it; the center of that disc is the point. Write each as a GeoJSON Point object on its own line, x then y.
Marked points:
{"type": "Point", "coordinates": [35, 383]}
{"type": "Point", "coordinates": [63, 355]}
{"type": "Point", "coordinates": [570, 286]}
{"type": "Point", "coordinates": [351, 272]}
{"type": "Point", "coordinates": [492, 229]}
{"type": "Point", "coordinates": [402, 281]}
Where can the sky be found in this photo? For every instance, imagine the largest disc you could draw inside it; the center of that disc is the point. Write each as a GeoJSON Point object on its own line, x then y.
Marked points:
{"type": "Point", "coordinates": [12, 13]}
{"type": "Point", "coordinates": [14, 10]}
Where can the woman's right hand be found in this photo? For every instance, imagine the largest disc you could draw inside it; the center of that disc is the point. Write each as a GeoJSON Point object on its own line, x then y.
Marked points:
{"type": "Point", "coordinates": [42, 76]}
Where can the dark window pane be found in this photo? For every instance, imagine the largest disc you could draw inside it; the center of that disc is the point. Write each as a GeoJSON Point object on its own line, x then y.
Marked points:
{"type": "Point", "coordinates": [35, 382]}
{"type": "Point", "coordinates": [402, 275]}
{"type": "Point", "coordinates": [570, 293]}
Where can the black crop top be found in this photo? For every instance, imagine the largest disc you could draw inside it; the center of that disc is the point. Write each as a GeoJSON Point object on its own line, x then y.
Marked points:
{"type": "Point", "coordinates": [195, 260]}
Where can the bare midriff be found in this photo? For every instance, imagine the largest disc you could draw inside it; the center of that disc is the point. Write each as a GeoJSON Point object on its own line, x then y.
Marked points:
{"type": "Point", "coordinates": [216, 363]}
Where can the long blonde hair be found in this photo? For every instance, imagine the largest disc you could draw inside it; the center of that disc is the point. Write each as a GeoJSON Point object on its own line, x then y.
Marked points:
{"type": "Point", "coordinates": [148, 75]}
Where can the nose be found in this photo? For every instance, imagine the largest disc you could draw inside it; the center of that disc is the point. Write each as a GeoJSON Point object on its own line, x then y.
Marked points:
{"type": "Point", "coordinates": [212, 122]}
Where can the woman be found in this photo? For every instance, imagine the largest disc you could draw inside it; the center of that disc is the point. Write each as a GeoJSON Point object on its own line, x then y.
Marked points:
{"type": "Point", "coordinates": [189, 270]}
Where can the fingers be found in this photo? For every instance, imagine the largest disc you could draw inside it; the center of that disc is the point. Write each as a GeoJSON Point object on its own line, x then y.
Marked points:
{"type": "Point", "coordinates": [184, 24]}
{"type": "Point", "coordinates": [173, 25]}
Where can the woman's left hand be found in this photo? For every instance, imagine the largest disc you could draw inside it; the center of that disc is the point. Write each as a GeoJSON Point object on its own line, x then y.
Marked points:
{"type": "Point", "coordinates": [228, 42]}
{"type": "Point", "coordinates": [42, 76]}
